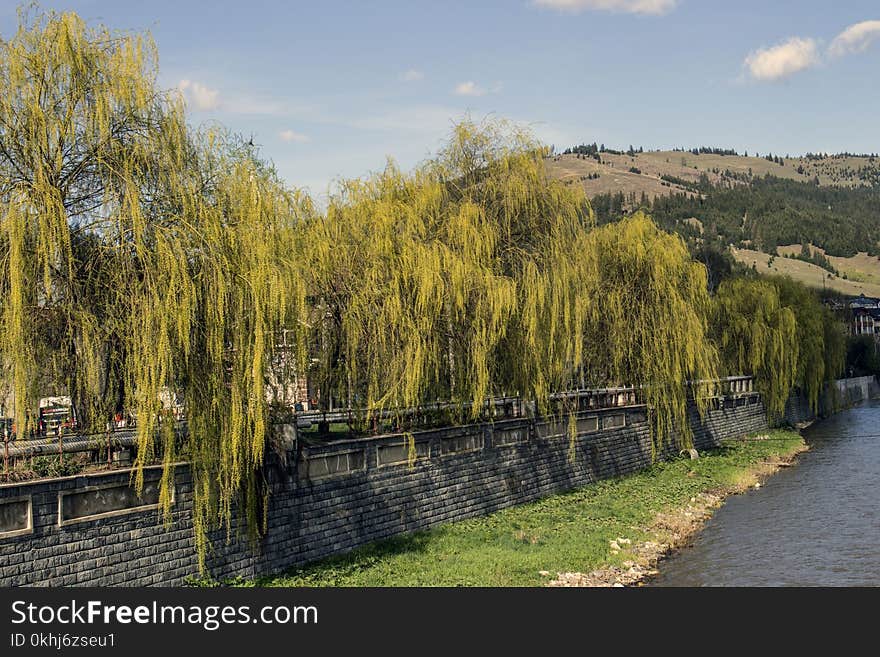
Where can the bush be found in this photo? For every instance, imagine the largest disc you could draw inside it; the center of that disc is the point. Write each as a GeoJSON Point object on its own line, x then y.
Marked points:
{"type": "Point", "coordinates": [862, 356]}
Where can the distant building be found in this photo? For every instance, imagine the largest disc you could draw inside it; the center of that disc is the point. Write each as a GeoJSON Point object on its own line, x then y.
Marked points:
{"type": "Point", "coordinates": [861, 313]}
{"type": "Point", "coordinates": [866, 321]}
{"type": "Point", "coordinates": [863, 302]}
{"type": "Point", "coordinates": [288, 386]}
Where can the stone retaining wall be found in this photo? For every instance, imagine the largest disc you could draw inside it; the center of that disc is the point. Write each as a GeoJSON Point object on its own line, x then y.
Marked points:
{"type": "Point", "coordinates": [90, 529]}
{"type": "Point", "coordinates": [838, 394]}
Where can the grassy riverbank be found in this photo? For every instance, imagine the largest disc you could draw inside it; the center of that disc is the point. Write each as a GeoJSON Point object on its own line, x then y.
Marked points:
{"type": "Point", "coordinates": [608, 533]}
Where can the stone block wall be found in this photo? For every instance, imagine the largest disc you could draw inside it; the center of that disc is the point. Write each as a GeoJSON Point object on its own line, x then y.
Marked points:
{"type": "Point", "coordinates": [328, 499]}
{"type": "Point", "coordinates": [838, 394]}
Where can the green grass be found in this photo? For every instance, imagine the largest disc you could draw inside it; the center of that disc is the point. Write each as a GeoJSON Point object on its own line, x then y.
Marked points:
{"type": "Point", "coordinates": [563, 533]}
{"type": "Point", "coordinates": [813, 276]}
{"type": "Point", "coordinates": [335, 428]}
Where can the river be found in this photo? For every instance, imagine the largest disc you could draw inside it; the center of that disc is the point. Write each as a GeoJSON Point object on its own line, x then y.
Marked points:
{"type": "Point", "coordinates": [814, 524]}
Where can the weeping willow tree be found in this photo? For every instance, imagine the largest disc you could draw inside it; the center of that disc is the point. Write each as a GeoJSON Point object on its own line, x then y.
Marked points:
{"type": "Point", "coordinates": [757, 335]}
{"type": "Point", "coordinates": [477, 274]}
{"type": "Point", "coordinates": [63, 150]}
{"type": "Point", "coordinates": [777, 330]}
{"type": "Point", "coordinates": [648, 320]}
{"type": "Point", "coordinates": [428, 285]}
{"type": "Point", "coordinates": [821, 356]}
{"type": "Point", "coordinates": [835, 344]}
{"type": "Point", "coordinates": [140, 261]}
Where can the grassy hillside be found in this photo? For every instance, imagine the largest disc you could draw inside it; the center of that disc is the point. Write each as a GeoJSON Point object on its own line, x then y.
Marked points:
{"type": "Point", "coordinates": [615, 173]}
{"type": "Point", "coordinates": [815, 276]}
{"type": "Point", "coordinates": [614, 176]}
{"type": "Point", "coordinates": [860, 268]}
{"type": "Point", "coordinates": [760, 205]}
{"type": "Point", "coordinates": [836, 171]}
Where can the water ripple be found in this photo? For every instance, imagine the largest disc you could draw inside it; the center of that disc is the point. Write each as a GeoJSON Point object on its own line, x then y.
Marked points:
{"type": "Point", "coordinates": [816, 524]}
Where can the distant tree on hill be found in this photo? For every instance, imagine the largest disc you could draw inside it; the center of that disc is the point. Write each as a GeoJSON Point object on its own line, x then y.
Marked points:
{"type": "Point", "coordinates": [772, 212]}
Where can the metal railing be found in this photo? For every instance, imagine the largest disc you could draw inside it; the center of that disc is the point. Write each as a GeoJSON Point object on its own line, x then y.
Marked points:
{"type": "Point", "coordinates": [510, 407]}
{"type": "Point", "coordinates": [595, 398]}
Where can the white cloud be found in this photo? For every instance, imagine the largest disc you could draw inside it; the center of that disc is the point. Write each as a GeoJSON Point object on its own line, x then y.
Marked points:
{"type": "Point", "coordinates": [652, 7]}
{"type": "Point", "coordinates": [292, 137]}
{"type": "Point", "coordinates": [780, 61]}
{"type": "Point", "coordinates": [856, 38]}
{"type": "Point", "coordinates": [469, 88]}
{"type": "Point", "coordinates": [412, 75]}
{"type": "Point", "coordinates": [199, 95]}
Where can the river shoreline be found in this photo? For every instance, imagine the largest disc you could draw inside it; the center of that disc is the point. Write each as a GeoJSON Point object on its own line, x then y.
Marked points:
{"type": "Point", "coordinates": [674, 529]}
{"type": "Point", "coordinates": [610, 533]}
{"type": "Point", "coordinates": [814, 525]}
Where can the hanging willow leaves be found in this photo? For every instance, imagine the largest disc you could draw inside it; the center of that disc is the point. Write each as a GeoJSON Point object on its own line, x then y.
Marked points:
{"type": "Point", "coordinates": [835, 344]}
{"type": "Point", "coordinates": [479, 275]}
{"type": "Point", "coordinates": [648, 323]}
{"type": "Point", "coordinates": [818, 360]}
{"type": "Point", "coordinates": [140, 262]}
{"type": "Point", "coordinates": [77, 114]}
{"type": "Point", "coordinates": [756, 334]}
{"type": "Point", "coordinates": [427, 285]}
{"type": "Point", "coordinates": [777, 330]}
{"type": "Point", "coordinates": [143, 262]}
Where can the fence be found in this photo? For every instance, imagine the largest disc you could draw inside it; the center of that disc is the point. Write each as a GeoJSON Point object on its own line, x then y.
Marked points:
{"type": "Point", "coordinates": [117, 445]}
{"type": "Point", "coordinates": [331, 497]}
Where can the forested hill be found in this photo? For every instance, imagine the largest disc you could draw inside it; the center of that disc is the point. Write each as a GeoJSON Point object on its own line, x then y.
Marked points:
{"type": "Point", "coordinates": [767, 213]}
{"type": "Point", "coordinates": [756, 202]}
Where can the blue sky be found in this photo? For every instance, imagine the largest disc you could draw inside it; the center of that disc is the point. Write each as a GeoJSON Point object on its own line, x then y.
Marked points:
{"type": "Point", "coordinates": [330, 89]}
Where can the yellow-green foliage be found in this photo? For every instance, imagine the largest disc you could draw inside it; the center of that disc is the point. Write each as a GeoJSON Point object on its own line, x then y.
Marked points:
{"type": "Point", "coordinates": [477, 275]}
{"type": "Point", "coordinates": [424, 283]}
{"type": "Point", "coordinates": [140, 260]}
{"type": "Point", "coordinates": [647, 322]}
{"type": "Point", "coordinates": [64, 153]}
{"type": "Point", "coordinates": [143, 262]}
{"type": "Point", "coordinates": [757, 335]}
{"type": "Point", "coordinates": [777, 330]}
{"type": "Point", "coordinates": [835, 344]}
{"type": "Point", "coordinates": [817, 361]}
